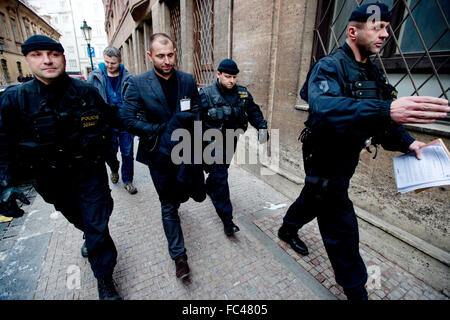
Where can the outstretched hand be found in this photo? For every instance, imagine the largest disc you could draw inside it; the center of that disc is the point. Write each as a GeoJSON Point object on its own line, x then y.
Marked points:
{"type": "Point", "coordinates": [418, 109]}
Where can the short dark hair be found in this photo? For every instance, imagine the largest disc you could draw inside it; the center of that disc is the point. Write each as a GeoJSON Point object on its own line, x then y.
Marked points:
{"type": "Point", "coordinates": [357, 24]}
{"type": "Point", "coordinates": [161, 38]}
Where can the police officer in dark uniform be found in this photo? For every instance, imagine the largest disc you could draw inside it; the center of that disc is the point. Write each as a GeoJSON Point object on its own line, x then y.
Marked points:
{"type": "Point", "coordinates": [227, 105]}
{"type": "Point", "coordinates": [351, 106]}
{"type": "Point", "coordinates": [54, 131]}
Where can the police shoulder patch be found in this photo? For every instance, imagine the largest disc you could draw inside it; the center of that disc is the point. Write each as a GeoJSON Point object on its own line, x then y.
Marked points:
{"type": "Point", "coordinates": [323, 86]}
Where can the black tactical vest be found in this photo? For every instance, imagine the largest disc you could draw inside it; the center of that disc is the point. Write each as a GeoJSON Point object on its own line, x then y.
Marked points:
{"type": "Point", "coordinates": [221, 114]}
{"type": "Point", "coordinates": [357, 82]}
{"type": "Point", "coordinates": [71, 134]}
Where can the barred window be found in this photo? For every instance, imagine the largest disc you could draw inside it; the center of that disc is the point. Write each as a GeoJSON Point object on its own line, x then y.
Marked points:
{"type": "Point", "coordinates": [175, 29]}
{"type": "Point", "coordinates": [204, 41]}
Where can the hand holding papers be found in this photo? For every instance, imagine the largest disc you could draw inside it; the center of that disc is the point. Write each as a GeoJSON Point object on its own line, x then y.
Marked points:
{"type": "Point", "coordinates": [431, 171]}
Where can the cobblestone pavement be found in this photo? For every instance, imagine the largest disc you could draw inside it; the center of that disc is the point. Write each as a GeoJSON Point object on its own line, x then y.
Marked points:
{"type": "Point", "coordinates": [239, 267]}
{"type": "Point", "coordinates": [387, 281]}
{"type": "Point", "coordinates": [254, 264]}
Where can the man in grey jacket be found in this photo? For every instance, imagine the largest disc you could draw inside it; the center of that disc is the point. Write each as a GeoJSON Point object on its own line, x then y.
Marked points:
{"type": "Point", "coordinates": [109, 79]}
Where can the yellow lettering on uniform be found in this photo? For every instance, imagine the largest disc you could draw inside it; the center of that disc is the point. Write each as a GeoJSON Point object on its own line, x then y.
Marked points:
{"type": "Point", "coordinates": [90, 118]}
{"type": "Point", "coordinates": [89, 124]}
{"type": "Point", "coordinates": [243, 94]}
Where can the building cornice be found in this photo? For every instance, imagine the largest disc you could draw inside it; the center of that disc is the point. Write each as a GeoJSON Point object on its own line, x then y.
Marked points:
{"type": "Point", "coordinates": [23, 4]}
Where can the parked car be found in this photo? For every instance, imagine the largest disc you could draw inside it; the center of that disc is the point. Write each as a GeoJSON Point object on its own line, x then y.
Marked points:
{"type": "Point", "coordinates": [77, 76]}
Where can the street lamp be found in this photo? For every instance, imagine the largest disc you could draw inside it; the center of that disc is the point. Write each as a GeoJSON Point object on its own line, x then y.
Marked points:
{"type": "Point", "coordinates": [87, 36]}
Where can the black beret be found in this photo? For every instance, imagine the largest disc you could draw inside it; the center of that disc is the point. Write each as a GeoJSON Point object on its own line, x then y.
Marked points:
{"type": "Point", "coordinates": [40, 42]}
{"type": "Point", "coordinates": [228, 66]}
{"type": "Point", "coordinates": [364, 12]}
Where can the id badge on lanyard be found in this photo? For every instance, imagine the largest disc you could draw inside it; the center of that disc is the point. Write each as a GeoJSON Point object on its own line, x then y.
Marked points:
{"type": "Point", "coordinates": [185, 104]}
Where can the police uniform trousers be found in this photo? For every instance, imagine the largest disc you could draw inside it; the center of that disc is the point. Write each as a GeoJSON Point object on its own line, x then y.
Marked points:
{"type": "Point", "coordinates": [337, 224]}
{"type": "Point", "coordinates": [164, 176]}
{"type": "Point", "coordinates": [218, 190]}
{"type": "Point", "coordinates": [84, 198]}
{"type": "Point", "coordinates": [217, 181]}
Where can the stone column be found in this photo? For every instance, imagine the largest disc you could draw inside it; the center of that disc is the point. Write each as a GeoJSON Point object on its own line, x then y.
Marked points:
{"type": "Point", "coordinates": [135, 46]}
{"type": "Point", "coordinates": [222, 30]}
{"type": "Point", "coordinates": [126, 56]}
{"type": "Point", "coordinates": [160, 18]}
{"type": "Point", "coordinates": [147, 33]}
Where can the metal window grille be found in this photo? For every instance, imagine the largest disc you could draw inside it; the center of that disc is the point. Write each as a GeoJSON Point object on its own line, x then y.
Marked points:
{"type": "Point", "coordinates": [204, 41]}
{"type": "Point", "coordinates": [416, 56]}
{"type": "Point", "coordinates": [175, 29]}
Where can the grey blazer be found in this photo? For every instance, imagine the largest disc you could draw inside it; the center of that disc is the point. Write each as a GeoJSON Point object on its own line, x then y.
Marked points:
{"type": "Point", "coordinates": [145, 107]}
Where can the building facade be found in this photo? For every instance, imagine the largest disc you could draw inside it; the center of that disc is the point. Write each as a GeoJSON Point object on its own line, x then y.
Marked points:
{"type": "Point", "coordinates": [18, 21]}
{"type": "Point", "coordinates": [60, 15]}
{"type": "Point", "coordinates": [275, 42]}
{"type": "Point", "coordinates": [67, 16]}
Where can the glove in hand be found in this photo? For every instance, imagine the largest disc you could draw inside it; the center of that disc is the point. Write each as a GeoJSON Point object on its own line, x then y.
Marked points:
{"type": "Point", "coordinates": [8, 204]}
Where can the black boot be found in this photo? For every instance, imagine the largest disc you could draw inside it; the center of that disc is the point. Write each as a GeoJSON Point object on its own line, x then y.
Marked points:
{"type": "Point", "coordinates": [356, 294]}
{"type": "Point", "coordinates": [291, 237]}
{"type": "Point", "coordinates": [230, 228]}
{"type": "Point", "coordinates": [107, 290]}
{"type": "Point", "coordinates": [84, 250]}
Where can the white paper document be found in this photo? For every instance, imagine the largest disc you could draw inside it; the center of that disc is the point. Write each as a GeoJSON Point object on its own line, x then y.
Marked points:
{"type": "Point", "coordinates": [431, 171]}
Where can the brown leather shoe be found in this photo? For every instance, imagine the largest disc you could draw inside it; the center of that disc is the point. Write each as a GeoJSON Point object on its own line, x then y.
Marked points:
{"type": "Point", "coordinates": [182, 267]}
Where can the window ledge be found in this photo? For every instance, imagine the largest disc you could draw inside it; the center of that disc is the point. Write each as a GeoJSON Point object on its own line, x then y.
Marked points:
{"type": "Point", "coordinates": [438, 129]}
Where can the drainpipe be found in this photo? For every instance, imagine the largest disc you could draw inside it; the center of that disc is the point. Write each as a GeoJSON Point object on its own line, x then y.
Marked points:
{"type": "Point", "coordinates": [230, 29]}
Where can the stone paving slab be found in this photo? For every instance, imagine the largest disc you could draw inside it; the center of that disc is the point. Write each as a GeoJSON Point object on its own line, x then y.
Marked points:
{"type": "Point", "coordinates": [22, 267]}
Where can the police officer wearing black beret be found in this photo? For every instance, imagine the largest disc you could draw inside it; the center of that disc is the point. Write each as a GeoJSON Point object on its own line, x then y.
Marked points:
{"type": "Point", "coordinates": [227, 105]}
{"type": "Point", "coordinates": [54, 132]}
{"type": "Point", "coordinates": [351, 106]}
